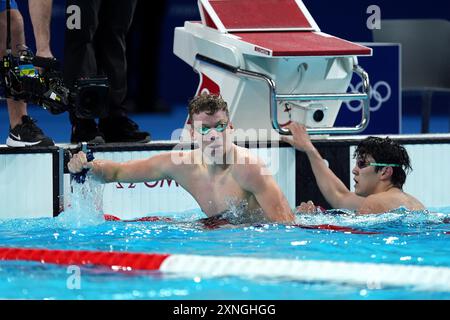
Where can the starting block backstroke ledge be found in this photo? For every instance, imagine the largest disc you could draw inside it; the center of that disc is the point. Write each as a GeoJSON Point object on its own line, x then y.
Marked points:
{"type": "Point", "coordinates": [272, 64]}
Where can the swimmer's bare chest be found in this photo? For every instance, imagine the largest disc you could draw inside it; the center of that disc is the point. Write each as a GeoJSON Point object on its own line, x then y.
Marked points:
{"type": "Point", "coordinates": [216, 193]}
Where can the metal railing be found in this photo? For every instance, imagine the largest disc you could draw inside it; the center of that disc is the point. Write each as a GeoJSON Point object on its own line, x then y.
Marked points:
{"type": "Point", "coordinates": [274, 98]}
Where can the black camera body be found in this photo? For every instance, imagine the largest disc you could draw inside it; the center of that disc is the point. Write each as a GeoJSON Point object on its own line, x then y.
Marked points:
{"type": "Point", "coordinates": [21, 79]}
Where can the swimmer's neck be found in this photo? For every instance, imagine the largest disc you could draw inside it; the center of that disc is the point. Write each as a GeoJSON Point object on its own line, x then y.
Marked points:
{"type": "Point", "coordinates": [216, 168]}
{"type": "Point", "coordinates": [388, 188]}
{"type": "Point", "coordinates": [224, 163]}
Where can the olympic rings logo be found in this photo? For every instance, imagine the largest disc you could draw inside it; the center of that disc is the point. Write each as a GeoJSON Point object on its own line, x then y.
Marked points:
{"type": "Point", "coordinates": [375, 94]}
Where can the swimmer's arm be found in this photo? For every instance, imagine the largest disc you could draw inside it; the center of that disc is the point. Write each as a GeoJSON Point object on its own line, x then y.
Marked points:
{"type": "Point", "coordinates": [134, 171]}
{"type": "Point", "coordinates": [332, 188]}
{"type": "Point", "coordinates": [268, 194]}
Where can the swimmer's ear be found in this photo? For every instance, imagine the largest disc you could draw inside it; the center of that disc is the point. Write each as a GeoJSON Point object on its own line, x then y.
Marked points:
{"type": "Point", "coordinates": [387, 172]}
{"type": "Point", "coordinates": [191, 129]}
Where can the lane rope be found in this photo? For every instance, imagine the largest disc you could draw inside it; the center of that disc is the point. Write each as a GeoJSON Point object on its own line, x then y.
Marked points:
{"type": "Point", "coordinates": [372, 275]}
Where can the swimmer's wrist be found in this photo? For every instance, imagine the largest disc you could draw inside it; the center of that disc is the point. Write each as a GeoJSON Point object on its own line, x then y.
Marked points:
{"type": "Point", "coordinates": [96, 169]}
{"type": "Point", "coordinates": [314, 155]}
{"type": "Point", "coordinates": [310, 151]}
{"type": "Point", "coordinates": [94, 166]}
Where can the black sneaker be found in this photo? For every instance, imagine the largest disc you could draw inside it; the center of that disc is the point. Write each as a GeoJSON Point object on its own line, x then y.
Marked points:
{"type": "Point", "coordinates": [86, 130]}
{"type": "Point", "coordinates": [28, 134]}
{"type": "Point", "coordinates": [122, 129]}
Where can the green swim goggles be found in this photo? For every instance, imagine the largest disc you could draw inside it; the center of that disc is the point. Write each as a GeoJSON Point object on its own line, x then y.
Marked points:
{"type": "Point", "coordinates": [220, 127]}
{"type": "Point", "coordinates": [362, 164]}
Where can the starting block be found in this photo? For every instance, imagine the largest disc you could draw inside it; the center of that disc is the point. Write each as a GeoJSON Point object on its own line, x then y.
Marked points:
{"type": "Point", "coordinates": [272, 64]}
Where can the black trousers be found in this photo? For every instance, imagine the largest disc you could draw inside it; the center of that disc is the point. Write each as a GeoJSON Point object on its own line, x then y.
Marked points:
{"type": "Point", "coordinates": [99, 47]}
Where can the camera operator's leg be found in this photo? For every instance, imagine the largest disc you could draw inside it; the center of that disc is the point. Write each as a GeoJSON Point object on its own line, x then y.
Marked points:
{"type": "Point", "coordinates": [80, 62]}
{"type": "Point", "coordinates": [23, 130]}
{"type": "Point", "coordinates": [41, 14]}
{"type": "Point", "coordinates": [115, 22]}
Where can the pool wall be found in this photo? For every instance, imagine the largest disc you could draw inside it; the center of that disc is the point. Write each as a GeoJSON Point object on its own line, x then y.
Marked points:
{"type": "Point", "coordinates": [35, 182]}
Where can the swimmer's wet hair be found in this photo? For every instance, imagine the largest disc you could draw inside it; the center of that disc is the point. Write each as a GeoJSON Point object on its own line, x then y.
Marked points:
{"type": "Point", "coordinates": [385, 150]}
{"type": "Point", "coordinates": [209, 103]}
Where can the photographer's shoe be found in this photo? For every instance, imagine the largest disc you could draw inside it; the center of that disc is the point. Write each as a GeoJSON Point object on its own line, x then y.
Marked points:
{"type": "Point", "coordinates": [28, 134]}
{"type": "Point", "coordinates": [86, 130]}
{"type": "Point", "coordinates": [122, 129]}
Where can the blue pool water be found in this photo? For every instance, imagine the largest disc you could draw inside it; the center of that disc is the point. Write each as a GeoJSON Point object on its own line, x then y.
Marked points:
{"type": "Point", "coordinates": [418, 238]}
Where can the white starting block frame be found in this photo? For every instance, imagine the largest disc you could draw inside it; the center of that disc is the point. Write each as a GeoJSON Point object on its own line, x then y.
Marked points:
{"type": "Point", "coordinates": [274, 59]}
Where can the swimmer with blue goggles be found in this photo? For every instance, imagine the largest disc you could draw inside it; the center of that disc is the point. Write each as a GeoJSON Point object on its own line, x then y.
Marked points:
{"type": "Point", "coordinates": [204, 130]}
{"type": "Point", "coordinates": [361, 164]}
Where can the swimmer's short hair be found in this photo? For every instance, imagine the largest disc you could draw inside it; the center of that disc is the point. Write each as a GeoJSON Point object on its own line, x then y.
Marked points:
{"type": "Point", "coordinates": [385, 150]}
{"type": "Point", "coordinates": [209, 103]}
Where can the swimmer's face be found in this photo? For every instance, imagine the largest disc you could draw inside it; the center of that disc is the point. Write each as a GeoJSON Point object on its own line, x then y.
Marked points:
{"type": "Point", "coordinates": [366, 178]}
{"type": "Point", "coordinates": [212, 132]}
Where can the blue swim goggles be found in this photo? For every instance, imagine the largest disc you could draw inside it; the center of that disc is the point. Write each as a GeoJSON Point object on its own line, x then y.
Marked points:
{"type": "Point", "coordinates": [362, 164]}
{"type": "Point", "coordinates": [220, 127]}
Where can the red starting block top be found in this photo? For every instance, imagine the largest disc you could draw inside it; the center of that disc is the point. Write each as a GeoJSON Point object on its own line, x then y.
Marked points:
{"type": "Point", "coordinates": [261, 14]}
{"type": "Point", "coordinates": [285, 27]}
{"type": "Point", "coordinates": [302, 43]}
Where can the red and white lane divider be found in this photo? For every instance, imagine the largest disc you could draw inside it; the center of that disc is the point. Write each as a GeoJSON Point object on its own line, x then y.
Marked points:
{"type": "Point", "coordinates": [372, 275]}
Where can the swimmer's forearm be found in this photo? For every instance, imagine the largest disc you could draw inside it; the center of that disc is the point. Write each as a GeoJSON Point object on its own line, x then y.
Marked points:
{"type": "Point", "coordinates": [132, 171]}
{"type": "Point", "coordinates": [105, 170]}
{"type": "Point", "coordinates": [332, 188]}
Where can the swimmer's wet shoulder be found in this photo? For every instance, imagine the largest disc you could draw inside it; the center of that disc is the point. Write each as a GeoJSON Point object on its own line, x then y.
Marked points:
{"type": "Point", "coordinates": [389, 200]}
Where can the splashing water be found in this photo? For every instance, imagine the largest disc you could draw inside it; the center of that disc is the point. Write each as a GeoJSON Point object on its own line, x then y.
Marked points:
{"type": "Point", "coordinates": [393, 219]}
{"type": "Point", "coordinates": [85, 205]}
{"type": "Point", "coordinates": [239, 213]}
